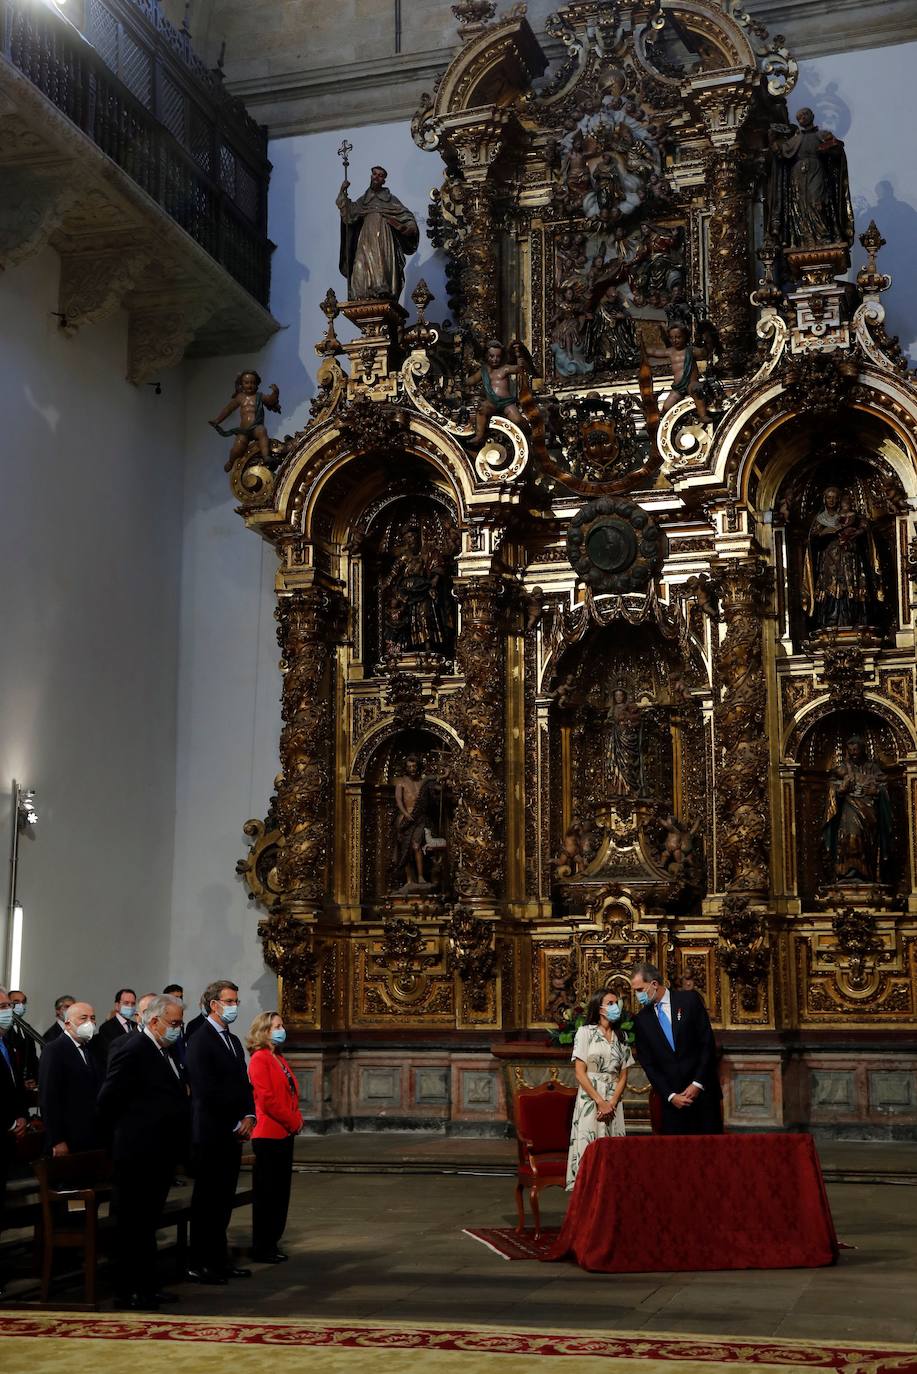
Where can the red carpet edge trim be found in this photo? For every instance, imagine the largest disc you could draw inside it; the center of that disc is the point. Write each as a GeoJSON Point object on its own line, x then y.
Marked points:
{"type": "Point", "coordinates": [859, 1358]}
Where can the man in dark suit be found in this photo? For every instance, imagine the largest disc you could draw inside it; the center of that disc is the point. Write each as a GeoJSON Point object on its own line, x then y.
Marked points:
{"type": "Point", "coordinates": [12, 1101]}
{"type": "Point", "coordinates": [23, 1041]}
{"type": "Point", "coordinates": [676, 1050]}
{"type": "Point", "coordinates": [181, 1044]}
{"type": "Point", "coordinates": [68, 1084]}
{"type": "Point", "coordinates": [143, 1107]}
{"type": "Point", "coordinates": [123, 1022]}
{"type": "Point", "coordinates": [222, 1117]}
{"type": "Point", "coordinates": [60, 1011]}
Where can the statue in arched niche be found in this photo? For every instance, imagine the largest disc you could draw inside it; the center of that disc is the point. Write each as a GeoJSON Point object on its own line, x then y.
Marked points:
{"type": "Point", "coordinates": [419, 849]}
{"type": "Point", "coordinates": [858, 817]}
{"type": "Point", "coordinates": [809, 192]}
{"type": "Point", "coordinates": [843, 579]}
{"type": "Point", "coordinates": [416, 604]}
{"type": "Point", "coordinates": [623, 741]}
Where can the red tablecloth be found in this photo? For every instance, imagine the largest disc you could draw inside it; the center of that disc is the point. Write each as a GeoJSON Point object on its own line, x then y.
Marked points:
{"type": "Point", "coordinates": [673, 1203]}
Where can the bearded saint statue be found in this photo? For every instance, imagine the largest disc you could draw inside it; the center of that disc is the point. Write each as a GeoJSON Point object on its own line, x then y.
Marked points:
{"type": "Point", "coordinates": [377, 233]}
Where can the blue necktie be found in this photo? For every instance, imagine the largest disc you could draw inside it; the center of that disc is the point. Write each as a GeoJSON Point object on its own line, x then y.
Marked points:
{"type": "Point", "coordinates": [666, 1025]}
{"type": "Point", "coordinates": [6, 1055]}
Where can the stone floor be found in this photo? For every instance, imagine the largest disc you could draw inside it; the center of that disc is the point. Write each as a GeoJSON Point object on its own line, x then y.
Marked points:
{"type": "Point", "coordinates": [390, 1246]}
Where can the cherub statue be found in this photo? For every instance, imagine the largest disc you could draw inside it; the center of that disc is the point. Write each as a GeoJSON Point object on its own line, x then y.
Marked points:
{"type": "Point", "coordinates": [499, 379]}
{"type": "Point", "coordinates": [564, 693]}
{"type": "Point", "coordinates": [251, 404]}
{"type": "Point", "coordinates": [682, 356]}
{"type": "Point", "coordinates": [532, 608]}
{"type": "Point", "coordinates": [679, 849]}
{"type": "Point", "coordinates": [570, 859]}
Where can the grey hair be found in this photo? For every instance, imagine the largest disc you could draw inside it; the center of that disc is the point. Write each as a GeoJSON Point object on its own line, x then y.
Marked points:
{"type": "Point", "coordinates": [158, 1007]}
{"type": "Point", "coordinates": [648, 972]}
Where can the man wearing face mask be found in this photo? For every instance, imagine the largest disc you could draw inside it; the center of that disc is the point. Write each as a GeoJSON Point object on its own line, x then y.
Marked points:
{"type": "Point", "coordinates": [122, 1021]}
{"type": "Point", "coordinates": [222, 1117]}
{"type": "Point", "coordinates": [60, 1011]}
{"type": "Point", "coordinates": [143, 1106]}
{"type": "Point", "coordinates": [676, 1050]}
{"type": "Point", "coordinates": [68, 1084]}
{"type": "Point", "coordinates": [23, 1041]}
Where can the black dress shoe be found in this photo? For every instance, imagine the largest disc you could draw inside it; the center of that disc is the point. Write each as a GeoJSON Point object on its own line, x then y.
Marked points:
{"type": "Point", "coordinates": [238, 1274]}
{"type": "Point", "coordinates": [138, 1302]}
{"type": "Point", "coordinates": [204, 1275]}
{"type": "Point", "coordinates": [277, 1257]}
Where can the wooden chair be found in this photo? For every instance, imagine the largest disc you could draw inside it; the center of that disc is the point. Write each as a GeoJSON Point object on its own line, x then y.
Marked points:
{"type": "Point", "coordinates": [83, 1179]}
{"type": "Point", "coordinates": [543, 1118]}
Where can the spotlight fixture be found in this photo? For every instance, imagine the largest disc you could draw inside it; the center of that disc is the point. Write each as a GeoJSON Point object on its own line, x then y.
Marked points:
{"type": "Point", "coordinates": [26, 812]}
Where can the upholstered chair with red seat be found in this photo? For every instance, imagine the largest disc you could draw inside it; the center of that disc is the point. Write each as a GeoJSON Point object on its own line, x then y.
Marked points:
{"type": "Point", "coordinates": [543, 1118]}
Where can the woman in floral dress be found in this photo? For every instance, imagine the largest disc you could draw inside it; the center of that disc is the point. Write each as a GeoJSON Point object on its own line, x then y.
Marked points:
{"type": "Point", "coordinates": [601, 1058]}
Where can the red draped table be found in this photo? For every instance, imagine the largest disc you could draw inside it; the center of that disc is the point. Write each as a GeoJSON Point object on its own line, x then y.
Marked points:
{"type": "Point", "coordinates": [673, 1203]}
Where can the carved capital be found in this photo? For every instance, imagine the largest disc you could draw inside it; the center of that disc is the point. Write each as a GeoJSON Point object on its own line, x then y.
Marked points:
{"type": "Point", "coordinates": [95, 283]}
{"type": "Point", "coordinates": [158, 336]}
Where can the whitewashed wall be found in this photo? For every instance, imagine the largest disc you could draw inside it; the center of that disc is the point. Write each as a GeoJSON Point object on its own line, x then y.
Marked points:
{"type": "Point", "coordinates": [229, 686]}
{"type": "Point", "coordinates": [90, 542]}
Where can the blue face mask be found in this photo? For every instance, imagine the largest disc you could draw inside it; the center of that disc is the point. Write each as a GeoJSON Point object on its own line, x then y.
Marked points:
{"type": "Point", "coordinates": [19, 1008]}
{"type": "Point", "coordinates": [613, 1011]}
{"type": "Point", "coordinates": [171, 1034]}
{"type": "Point", "coordinates": [6, 1018]}
{"type": "Point", "coordinates": [644, 998]}
{"type": "Point", "coordinates": [127, 1011]}
{"type": "Point", "coordinates": [278, 1035]}
{"type": "Point", "coordinates": [229, 1011]}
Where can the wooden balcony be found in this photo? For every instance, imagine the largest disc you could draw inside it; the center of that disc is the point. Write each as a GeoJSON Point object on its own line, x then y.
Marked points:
{"type": "Point", "coordinates": [127, 157]}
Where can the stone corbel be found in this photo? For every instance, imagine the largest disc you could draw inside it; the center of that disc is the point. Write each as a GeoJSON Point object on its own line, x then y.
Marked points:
{"type": "Point", "coordinates": [33, 205]}
{"type": "Point", "coordinates": [158, 336]}
{"type": "Point", "coordinates": [94, 284]}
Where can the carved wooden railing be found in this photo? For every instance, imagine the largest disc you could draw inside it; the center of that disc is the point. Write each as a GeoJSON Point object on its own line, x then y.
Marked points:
{"type": "Point", "coordinates": [133, 85]}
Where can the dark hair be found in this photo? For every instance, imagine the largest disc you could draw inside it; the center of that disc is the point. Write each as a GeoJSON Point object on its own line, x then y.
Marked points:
{"type": "Point", "coordinates": [594, 1006]}
{"type": "Point", "coordinates": [120, 993]}
{"type": "Point", "coordinates": [59, 1002]}
{"type": "Point", "coordinates": [244, 373]}
{"type": "Point", "coordinates": [648, 972]}
{"type": "Point", "coordinates": [173, 987]}
{"type": "Point", "coordinates": [212, 992]}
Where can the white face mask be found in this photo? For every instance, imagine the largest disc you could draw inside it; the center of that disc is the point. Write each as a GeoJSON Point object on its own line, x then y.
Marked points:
{"type": "Point", "coordinates": [86, 1031]}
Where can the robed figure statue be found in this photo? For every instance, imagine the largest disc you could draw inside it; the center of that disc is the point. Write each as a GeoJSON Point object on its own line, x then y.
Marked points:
{"type": "Point", "coordinates": [842, 577]}
{"type": "Point", "coordinates": [858, 817]}
{"type": "Point", "coordinates": [377, 233]}
{"type": "Point", "coordinates": [809, 193]}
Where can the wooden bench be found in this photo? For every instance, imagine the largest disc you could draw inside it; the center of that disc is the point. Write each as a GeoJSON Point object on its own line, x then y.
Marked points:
{"type": "Point", "coordinates": [68, 1187]}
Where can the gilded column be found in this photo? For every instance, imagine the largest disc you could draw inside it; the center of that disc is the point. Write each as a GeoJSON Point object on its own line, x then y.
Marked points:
{"type": "Point", "coordinates": [478, 824]}
{"type": "Point", "coordinates": [743, 841]}
{"type": "Point", "coordinates": [309, 624]}
{"type": "Point", "coordinates": [479, 263]}
{"type": "Point", "coordinates": [730, 307]}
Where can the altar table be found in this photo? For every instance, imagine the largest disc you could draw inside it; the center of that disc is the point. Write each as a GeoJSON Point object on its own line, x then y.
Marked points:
{"type": "Point", "coordinates": [683, 1203]}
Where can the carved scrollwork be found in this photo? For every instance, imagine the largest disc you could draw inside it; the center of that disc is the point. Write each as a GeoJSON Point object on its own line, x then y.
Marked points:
{"type": "Point", "coordinates": [289, 949]}
{"type": "Point", "coordinates": [404, 959]}
{"type": "Point", "coordinates": [496, 463]}
{"type": "Point", "coordinates": [259, 868]}
{"type": "Point", "coordinates": [472, 954]}
{"type": "Point", "coordinates": [615, 546]}
{"type": "Point", "coordinates": [743, 947]}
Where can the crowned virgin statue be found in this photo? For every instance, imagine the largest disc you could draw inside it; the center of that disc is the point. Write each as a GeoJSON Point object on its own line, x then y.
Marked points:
{"type": "Point", "coordinates": [858, 817]}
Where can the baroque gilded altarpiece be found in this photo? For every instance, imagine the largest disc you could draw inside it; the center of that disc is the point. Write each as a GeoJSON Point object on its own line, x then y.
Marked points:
{"type": "Point", "coordinates": [607, 647]}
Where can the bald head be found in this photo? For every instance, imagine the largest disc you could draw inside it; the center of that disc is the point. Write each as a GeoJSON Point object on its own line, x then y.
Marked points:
{"type": "Point", "coordinates": [76, 1015]}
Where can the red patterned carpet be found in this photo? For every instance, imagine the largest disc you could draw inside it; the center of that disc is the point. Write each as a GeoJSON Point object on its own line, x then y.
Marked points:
{"type": "Point", "coordinates": [34, 1342]}
{"type": "Point", "coordinates": [511, 1244]}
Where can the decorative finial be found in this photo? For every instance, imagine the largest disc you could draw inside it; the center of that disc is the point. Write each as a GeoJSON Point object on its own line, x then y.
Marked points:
{"type": "Point", "coordinates": [767, 293]}
{"type": "Point", "coordinates": [473, 15]}
{"type": "Point", "coordinates": [869, 279]}
{"type": "Point", "coordinates": [330, 345]}
{"type": "Point", "coordinates": [422, 332]}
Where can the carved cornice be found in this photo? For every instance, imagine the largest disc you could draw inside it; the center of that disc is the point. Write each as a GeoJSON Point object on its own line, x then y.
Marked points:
{"type": "Point", "coordinates": [118, 248]}
{"type": "Point", "coordinates": [332, 95]}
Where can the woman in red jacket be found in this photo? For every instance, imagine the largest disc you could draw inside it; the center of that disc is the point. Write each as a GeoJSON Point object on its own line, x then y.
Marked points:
{"type": "Point", "coordinates": [278, 1122]}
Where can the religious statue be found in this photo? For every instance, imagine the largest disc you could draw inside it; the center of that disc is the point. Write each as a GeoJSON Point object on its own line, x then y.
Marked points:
{"type": "Point", "coordinates": [842, 579]}
{"type": "Point", "coordinates": [858, 818]}
{"type": "Point", "coordinates": [377, 234]}
{"type": "Point", "coordinates": [680, 850]}
{"type": "Point", "coordinates": [415, 603]}
{"type": "Point", "coordinates": [568, 336]}
{"type": "Point", "coordinates": [570, 859]}
{"type": "Point", "coordinates": [809, 194]}
{"type": "Point", "coordinates": [682, 356]}
{"type": "Point", "coordinates": [623, 761]}
{"type": "Point", "coordinates": [251, 404]}
{"type": "Point", "coordinates": [419, 847]}
{"type": "Point", "coordinates": [499, 379]}
{"type": "Point", "coordinates": [612, 336]}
